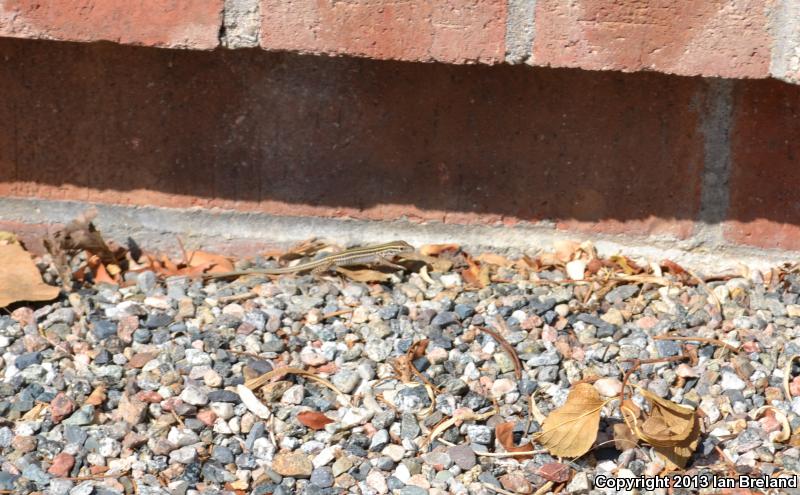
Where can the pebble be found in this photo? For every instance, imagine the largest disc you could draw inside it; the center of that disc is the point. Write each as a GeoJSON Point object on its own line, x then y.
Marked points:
{"type": "Point", "coordinates": [377, 481]}
{"type": "Point", "coordinates": [195, 396]}
{"type": "Point", "coordinates": [61, 465]}
{"type": "Point", "coordinates": [608, 387]}
{"type": "Point", "coordinates": [294, 464]}
{"type": "Point", "coordinates": [480, 434]}
{"type": "Point", "coordinates": [463, 456]}
{"type": "Point", "coordinates": [394, 452]}
{"type": "Point", "coordinates": [730, 381]}
{"type": "Point", "coordinates": [252, 403]}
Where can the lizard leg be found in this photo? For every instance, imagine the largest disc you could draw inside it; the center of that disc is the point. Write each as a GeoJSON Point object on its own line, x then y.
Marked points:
{"type": "Point", "coordinates": [381, 261]}
{"type": "Point", "coordinates": [321, 269]}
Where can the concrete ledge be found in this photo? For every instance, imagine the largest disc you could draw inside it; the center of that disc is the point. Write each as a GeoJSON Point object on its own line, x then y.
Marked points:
{"type": "Point", "coordinates": [246, 234]}
{"type": "Point", "coordinates": [741, 39]}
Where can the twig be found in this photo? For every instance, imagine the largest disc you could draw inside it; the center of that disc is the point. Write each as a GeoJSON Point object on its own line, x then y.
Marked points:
{"type": "Point", "coordinates": [511, 454]}
{"type": "Point", "coordinates": [336, 313]}
{"type": "Point", "coordinates": [237, 297]}
{"type": "Point", "coordinates": [705, 286]}
{"type": "Point", "coordinates": [506, 347]}
{"type": "Point", "coordinates": [409, 362]}
{"type": "Point", "coordinates": [728, 461]}
{"type": "Point", "coordinates": [466, 415]}
{"type": "Point", "coordinates": [183, 251]}
{"type": "Point", "coordinates": [531, 405]}
{"type": "Point", "coordinates": [533, 410]}
{"type": "Point", "coordinates": [490, 487]}
{"type": "Point", "coordinates": [638, 362]}
{"type": "Point", "coordinates": [177, 418]}
{"type": "Point", "coordinates": [244, 353]}
{"type": "Point", "coordinates": [258, 381]}
{"type": "Point", "coordinates": [698, 339]}
{"type": "Point", "coordinates": [544, 488]}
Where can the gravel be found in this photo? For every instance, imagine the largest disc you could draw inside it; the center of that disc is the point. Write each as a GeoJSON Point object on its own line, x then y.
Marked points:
{"type": "Point", "coordinates": [145, 385]}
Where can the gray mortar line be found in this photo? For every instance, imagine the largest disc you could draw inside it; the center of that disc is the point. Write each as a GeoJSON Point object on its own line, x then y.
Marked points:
{"type": "Point", "coordinates": [156, 227]}
{"type": "Point", "coordinates": [784, 26]}
{"type": "Point", "coordinates": [715, 126]}
{"type": "Point", "coordinates": [520, 30]}
{"type": "Point", "coordinates": [241, 24]}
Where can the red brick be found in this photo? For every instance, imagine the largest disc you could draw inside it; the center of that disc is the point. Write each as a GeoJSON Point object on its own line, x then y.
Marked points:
{"type": "Point", "coordinates": [764, 195]}
{"type": "Point", "coordinates": [687, 37]}
{"type": "Point", "coordinates": [369, 140]}
{"type": "Point", "coordinates": [457, 31]}
{"type": "Point", "coordinates": [173, 23]}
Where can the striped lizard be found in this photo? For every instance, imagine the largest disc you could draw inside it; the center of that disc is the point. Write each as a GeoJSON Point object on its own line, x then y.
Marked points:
{"type": "Point", "coordinates": [375, 254]}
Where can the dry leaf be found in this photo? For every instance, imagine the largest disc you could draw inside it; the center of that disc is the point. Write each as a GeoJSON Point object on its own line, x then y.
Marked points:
{"type": "Point", "coordinates": [570, 430]}
{"type": "Point", "coordinates": [565, 250]}
{"type": "Point", "coordinates": [627, 265]}
{"type": "Point", "coordinates": [673, 267]}
{"type": "Point", "coordinates": [777, 415]}
{"type": "Point", "coordinates": [213, 263]}
{"type": "Point", "coordinates": [8, 237]}
{"type": "Point", "coordinates": [546, 260]}
{"type": "Point", "coordinates": [624, 438]}
{"type": "Point", "coordinates": [33, 413]}
{"type": "Point", "coordinates": [302, 250]}
{"type": "Point", "coordinates": [313, 419]}
{"type": "Point", "coordinates": [437, 249]}
{"type": "Point", "coordinates": [436, 264]}
{"type": "Point", "coordinates": [476, 275]}
{"type": "Point", "coordinates": [101, 275]}
{"type": "Point", "coordinates": [505, 435]}
{"type": "Point", "coordinates": [365, 275]}
{"type": "Point", "coordinates": [196, 264]}
{"type": "Point", "coordinates": [418, 348]}
{"type": "Point", "coordinates": [81, 234]}
{"type": "Point", "coordinates": [668, 422]}
{"type": "Point", "coordinates": [494, 259]}
{"type": "Point", "coordinates": [672, 429]}
{"type": "Point", "coordinates": [20, 280]}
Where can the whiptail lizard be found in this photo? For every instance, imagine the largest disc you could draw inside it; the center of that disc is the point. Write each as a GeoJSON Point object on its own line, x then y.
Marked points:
{"type": "Point", "coordinates": [377, 254]}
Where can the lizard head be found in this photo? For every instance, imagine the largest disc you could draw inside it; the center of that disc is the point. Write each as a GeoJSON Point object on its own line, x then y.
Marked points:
{"type": "Point", "coordinates": [402, 246]}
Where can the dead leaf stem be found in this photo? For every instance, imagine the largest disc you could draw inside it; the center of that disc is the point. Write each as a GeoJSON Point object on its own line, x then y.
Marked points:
{"type": "Point", "coordinates": [506, 347]}
{"type": "Point", "coordinates": [787, 374]}
{"type": "Point", "coordinates": [259, 381]}
{"type": "Point", "coordinates": [639, 362]}
{"type": "Point", "coordinates": [544, 488]}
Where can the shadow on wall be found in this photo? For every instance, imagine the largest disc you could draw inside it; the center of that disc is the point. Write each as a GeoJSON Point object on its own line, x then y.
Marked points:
{"type": "Point", "coordinates": [294, 134]}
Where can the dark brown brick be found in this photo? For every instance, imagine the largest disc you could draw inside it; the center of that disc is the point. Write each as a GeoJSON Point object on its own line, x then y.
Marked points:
{"type": "Point", "coordinates": [764, 192]}
{"type": "Point", "coordinates": [304, 135]}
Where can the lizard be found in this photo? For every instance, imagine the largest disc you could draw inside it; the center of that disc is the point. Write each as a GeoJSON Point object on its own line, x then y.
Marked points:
{"type": "Point", "coordinates": [374, 254]}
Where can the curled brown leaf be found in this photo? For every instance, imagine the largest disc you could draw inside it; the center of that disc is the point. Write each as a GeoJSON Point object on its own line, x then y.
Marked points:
{"type": "Point", "coordinates": [504, 432]}
{"type": "Point", "coordinates": [571, 430]}
{"type": "Point", "coordinates": [672, 429]}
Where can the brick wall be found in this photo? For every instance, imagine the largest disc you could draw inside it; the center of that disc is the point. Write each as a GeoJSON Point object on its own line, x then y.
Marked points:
{"type": "Point", "coordinates": [282, 133]}
{"type": "Point", "coordinates": [604, 134]}
{"type": "Point", "coordinates": [732, 39]}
